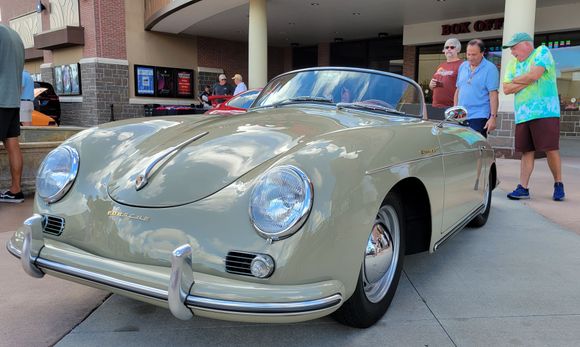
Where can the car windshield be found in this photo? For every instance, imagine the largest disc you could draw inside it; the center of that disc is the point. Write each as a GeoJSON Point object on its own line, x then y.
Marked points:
{"type": "Point", "coordinates": [244, 100]}
{"type": "Point", "coordinates": [357, 89]}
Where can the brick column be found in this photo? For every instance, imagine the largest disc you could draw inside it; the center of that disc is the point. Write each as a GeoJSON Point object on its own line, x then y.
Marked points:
{"type": "Point", "coordinates": [324, 54]}
{"type": "Point", "coordinates": [410, 61]}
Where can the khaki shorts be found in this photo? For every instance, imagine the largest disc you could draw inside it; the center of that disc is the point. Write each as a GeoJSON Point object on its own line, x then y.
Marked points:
{"type": "Point", "coordinates": [542, 134]}
{"type": "Point", "coordinates": [26, 108]}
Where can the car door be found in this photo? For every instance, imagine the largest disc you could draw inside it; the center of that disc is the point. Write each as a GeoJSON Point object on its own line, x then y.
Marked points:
{"type": "Point", "coordinates": [464, 169]}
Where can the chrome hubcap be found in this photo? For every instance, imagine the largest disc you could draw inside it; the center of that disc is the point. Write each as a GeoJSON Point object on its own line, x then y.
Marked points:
{"type": "Point", "coordinates": [381, 255]}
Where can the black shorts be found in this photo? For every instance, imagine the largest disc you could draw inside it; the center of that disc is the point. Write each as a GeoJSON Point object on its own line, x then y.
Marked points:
{"type": "Point", "coordinates": [9, 123]}
{"type": "Point", "coordinates": [542, 134]}
{"type": "Point", "coordinates": [478, 125]}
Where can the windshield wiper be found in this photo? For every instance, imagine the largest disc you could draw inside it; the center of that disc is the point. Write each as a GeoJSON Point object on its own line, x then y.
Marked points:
{"type": "Point", "coordinates": [301, 99]}
{"type": "Point", "coordinates": [368, 106]}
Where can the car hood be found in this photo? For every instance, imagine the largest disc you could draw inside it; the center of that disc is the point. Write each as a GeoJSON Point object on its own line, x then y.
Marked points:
{"type": "Point", "coordinates": [192, 160]}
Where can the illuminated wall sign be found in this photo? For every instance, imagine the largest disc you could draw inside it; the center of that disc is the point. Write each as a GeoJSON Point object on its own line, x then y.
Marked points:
{"type": "Point", "coordinates": [465, 27]}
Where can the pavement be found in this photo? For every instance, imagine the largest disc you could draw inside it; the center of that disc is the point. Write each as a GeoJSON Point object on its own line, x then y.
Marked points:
{"type": "Point", "coordinates": [513, 282]}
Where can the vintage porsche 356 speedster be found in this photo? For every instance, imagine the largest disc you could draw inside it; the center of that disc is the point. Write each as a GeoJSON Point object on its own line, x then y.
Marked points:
{"type": "Point", "coordinates": [302, 207]}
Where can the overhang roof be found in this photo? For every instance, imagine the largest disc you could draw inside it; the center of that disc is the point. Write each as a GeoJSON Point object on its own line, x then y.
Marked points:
{"type": "Point", "coordinates": [308, 22]}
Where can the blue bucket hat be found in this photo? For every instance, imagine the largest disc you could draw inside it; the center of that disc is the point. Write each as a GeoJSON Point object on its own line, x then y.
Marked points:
{"type": "Point", "coordinates": [517, 38]}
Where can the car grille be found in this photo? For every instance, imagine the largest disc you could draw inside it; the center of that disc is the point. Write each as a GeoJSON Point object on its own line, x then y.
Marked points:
{"type": "Point", "coordinates": [52, 225]}
{"type": "Point", "coordinates": [239, 262]}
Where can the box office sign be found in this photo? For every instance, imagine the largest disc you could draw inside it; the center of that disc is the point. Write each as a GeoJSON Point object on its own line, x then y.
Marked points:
{"type": "Point", "coordinates": [67, 79]}
{"type": "Point", "coordinates": [164, 82]}
{"type": "Point", "coordinates": [467, 27]}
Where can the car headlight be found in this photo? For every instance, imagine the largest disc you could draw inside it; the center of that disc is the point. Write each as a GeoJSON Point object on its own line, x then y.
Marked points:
{"type": "Point", "coordinates": [280, 202]}
{"type": "Point", "coordinates": [57, 173]}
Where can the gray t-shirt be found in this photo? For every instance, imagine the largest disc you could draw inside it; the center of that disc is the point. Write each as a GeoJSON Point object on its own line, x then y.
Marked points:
{"type": "Point", "coordinates": [11, 65]}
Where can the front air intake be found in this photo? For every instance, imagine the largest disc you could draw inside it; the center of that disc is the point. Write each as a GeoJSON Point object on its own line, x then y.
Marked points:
{"type": "Point", "coordinates": [239, 263]}
{"type": "Point", "coordinates": [52, 225]}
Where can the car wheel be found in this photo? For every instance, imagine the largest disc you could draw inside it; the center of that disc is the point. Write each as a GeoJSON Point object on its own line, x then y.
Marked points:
{"type": "Point", "coordinates": [381, 268]}
{"type": "Point", "coordinates": [481, 218]}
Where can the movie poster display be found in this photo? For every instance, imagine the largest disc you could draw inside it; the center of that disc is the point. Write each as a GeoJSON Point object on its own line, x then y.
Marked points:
{"type": "Point", "coordinates": [164, 82]}
{"type": "Point", "coordinates": [144, 80]}
{"type": "Point", "coordinates": [184, 80]}
{"type": "Point", "coordinates": [67, 79]}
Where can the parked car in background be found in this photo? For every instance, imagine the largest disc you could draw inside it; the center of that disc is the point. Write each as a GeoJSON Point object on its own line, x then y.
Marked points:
{"type": "Point", "coordinates": [40, 119]}
{"type": "Point", "coordinates": [237, 104]}
{"type": "Point", "coordinates": [46, 100]}
{"type": "Point", "coordinates": [304, 206]}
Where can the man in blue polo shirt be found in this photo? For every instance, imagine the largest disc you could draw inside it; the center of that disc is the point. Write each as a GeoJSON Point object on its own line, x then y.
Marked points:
{"type": "Point", "coordinates": [477, 86]}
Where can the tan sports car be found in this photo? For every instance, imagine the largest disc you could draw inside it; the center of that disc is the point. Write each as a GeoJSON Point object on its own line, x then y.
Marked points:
{"type": "Point", "coordinates": [302, 207]}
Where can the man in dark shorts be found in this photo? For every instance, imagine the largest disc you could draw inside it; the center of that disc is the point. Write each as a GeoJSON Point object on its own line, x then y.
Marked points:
{"type": "Point", "coordinates": [532, 78]}
{"type": "Point", "coordinates": [11, 65]}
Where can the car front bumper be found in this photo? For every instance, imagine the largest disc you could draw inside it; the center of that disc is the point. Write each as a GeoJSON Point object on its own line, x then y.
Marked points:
{"type": "Point", "coordinates": [179, 288]}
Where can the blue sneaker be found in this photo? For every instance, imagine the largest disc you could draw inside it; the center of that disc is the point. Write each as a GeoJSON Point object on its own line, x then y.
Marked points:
{"type": "Point", "coordinates": [558, 191]}
{"type": "Point", "coordinates": [519, 193]}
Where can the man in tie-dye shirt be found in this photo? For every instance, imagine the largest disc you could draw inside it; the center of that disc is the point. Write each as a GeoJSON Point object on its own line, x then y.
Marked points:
{"type": "Point", "coordinates": [532, 78]}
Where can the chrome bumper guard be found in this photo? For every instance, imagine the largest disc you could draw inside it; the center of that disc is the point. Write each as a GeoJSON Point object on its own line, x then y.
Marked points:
{"type": "Point", "coordinates": [181, 281]}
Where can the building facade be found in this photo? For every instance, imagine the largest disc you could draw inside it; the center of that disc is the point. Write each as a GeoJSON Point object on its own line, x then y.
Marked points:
{"type": "Point", "coordinates": [109, 58]}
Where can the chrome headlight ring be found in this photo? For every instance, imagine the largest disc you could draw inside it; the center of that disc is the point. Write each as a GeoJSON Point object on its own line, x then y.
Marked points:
{"type": "Point", "coordinates": [57, 173]}
{"type": "Point", "coordinates": [280, 202]}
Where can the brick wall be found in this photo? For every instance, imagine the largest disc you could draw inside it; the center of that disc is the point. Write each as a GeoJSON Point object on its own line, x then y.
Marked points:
{"type": "Point", "coordinates": [104, 23]}
{"type": "Point", "coordinates": [570, 123]}
{"type": "Point", "coordinates": [207, 78]}
{"type": "Point", "coordinates": [12, 9]}
{"type": "Point", "coordinates": [102, 85]}
{"type": "Point", "coordinates": [230, 56]}
{"type": "Point", "coordinates": [410, 61]}
{"type": "Point", "coordinates": [502, 139]}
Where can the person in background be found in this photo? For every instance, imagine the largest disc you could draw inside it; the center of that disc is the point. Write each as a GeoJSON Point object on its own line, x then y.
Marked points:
{"type": "Point", "coordinates": [445, 78]}
{"type": "Point", "coordinates": [477, 89]}
{"type": "Point", "coordinates": [26, 99]}
{"type": "Point", "coordinates": [204, 97]}
{"type": "Point", "coordinates": [531, 77]}
{"type": "Point", "coordinates": [11, 66]}
{"type": "Point", "coordinates": [240, 85]}
{"type": "Point", "coordinates": [222, 88]}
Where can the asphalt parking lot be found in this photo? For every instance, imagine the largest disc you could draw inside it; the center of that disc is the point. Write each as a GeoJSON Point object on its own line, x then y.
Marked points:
{"type": "Point", "coordinates": [514, 282]}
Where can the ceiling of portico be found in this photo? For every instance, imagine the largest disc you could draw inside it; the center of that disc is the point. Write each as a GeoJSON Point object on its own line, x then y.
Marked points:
{"type": "Point", "coordinates": [308, 22]}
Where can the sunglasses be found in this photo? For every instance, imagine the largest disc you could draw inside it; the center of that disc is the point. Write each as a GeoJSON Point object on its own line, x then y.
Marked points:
{"type": "Point", "coordinates": [449, 47]}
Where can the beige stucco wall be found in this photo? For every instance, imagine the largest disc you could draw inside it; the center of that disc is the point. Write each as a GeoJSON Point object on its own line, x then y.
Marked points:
{"type": "Point", "coordinates": [151, 48]}
{"type": "Point", "coordinates": [68, 55]}
{"type": "Point", "coordinates": [33, 66]}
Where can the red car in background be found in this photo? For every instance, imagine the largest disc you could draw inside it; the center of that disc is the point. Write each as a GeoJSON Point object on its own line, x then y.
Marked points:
{"type": "Point", "coordinates": [236, 104]}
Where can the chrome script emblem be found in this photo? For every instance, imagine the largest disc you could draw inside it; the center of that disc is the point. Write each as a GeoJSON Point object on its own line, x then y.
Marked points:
{"type": "Point", "coordinates": [118, 213]}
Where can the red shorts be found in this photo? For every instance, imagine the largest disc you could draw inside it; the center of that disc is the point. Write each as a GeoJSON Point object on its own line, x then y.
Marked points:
{"type": "Point", "coordinates": [541, 134]}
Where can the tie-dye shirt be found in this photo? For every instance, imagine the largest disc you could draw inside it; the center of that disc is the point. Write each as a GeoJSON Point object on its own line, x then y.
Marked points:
{"type": "Point", "coordinates": [539, 99]}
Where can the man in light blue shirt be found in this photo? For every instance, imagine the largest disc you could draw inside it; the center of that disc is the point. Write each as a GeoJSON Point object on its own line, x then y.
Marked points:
{"type": "Point", "coordinates": [26, 99]}
{"type": "Point", "coordinates": [477, 89]}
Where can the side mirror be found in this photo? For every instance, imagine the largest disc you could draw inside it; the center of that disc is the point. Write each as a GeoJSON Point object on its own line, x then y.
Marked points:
{"type": "Point", "coordinates": [455, 113]}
